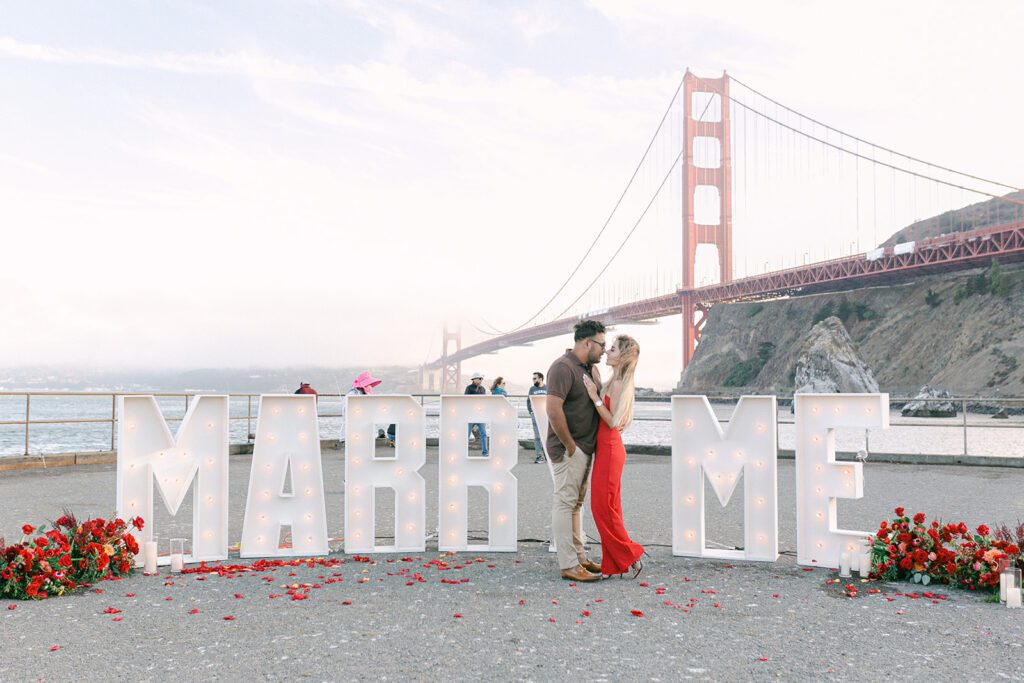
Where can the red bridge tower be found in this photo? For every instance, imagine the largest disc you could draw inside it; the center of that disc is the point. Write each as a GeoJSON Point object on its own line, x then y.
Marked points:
{"type": "Point", "coordinates": [706, 122]}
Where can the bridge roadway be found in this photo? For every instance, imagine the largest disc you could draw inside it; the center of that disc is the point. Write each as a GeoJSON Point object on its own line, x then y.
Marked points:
{"type": "Point", "coordinates": [955, 251]}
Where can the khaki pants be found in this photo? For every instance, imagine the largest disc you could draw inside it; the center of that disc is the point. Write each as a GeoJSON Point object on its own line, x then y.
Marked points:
{"type": "Point", "coordinates": [571, 479]}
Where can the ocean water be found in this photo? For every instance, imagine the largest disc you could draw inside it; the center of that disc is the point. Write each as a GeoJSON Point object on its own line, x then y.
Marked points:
{"type": "Point", "coordinates": [942, 436]}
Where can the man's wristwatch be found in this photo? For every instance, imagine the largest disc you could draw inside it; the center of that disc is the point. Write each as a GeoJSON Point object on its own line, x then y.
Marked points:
{"type": "Point", "coordinates": [597, 404]}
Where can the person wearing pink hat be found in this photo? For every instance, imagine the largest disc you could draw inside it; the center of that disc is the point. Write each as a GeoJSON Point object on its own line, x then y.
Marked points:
{"type": "Point", "coordinates": [363, 384]}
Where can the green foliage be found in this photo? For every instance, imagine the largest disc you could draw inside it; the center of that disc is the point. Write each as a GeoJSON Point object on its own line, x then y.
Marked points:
{"type": "Point", "coordinates": [932, 299]}
{"type": "Point", "coordinates": [865, 312]}
{"type": "Point", "coordinates": [992, 281]}
{"type": "Point", "coordinates": [745, 372]}
{"type": "Point", "coordinates": [827, 310]}
{"type": "Point", "coordinates": [998, 283]}
{"type": "Point", "coordinates": [844, 310]}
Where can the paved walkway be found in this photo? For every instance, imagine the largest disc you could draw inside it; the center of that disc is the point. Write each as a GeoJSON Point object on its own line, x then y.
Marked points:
{"type": "Point", "coordinates": [700, 619]}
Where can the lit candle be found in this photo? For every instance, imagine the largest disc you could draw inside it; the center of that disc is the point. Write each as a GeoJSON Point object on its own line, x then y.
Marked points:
{"type": "Point", "coordinates": [865, 564]}
{"type": "Point", "coordinates": [844, 564]}
{"type": "Point", "coordinates": [149, 557]}
{"type": "Point", "coordinates": [177, 562]}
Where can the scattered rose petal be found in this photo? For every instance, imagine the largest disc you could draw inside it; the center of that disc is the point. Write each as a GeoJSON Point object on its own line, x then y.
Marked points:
{"type": "Point", "coordinates": [111, 610]}
{"type": "Point", "coordinates": [457, 615]}
{"type": "Point", "coordinates": [636, 613]}
{"type": "Point", "coordinates": [129, 595]}
{"type": "Point", "coordinates": [229, 618]}
{"type": "Point", "coordinates": [551, 619]}
{"type": "Point", "coordinates": [346, 602]}
{"type": "Point", "coordinates": [522, 602]}
{"type": "Point", "coordinates": [239, 596]}
{"type": "Point", "coordinates": [193, 611]}
{"type": "Point", "coordinates": [117, 618]}
{"type": "Point", "coordinates": [54, 648]}
{"type": "Point", "coordinates": [775, 595]}
{"type": "Point", "coordinates": [12, 607]}
{"type": "Point", "coordinates": [585, 613]}
{"type": "Point", "coordinates": [762, 659]}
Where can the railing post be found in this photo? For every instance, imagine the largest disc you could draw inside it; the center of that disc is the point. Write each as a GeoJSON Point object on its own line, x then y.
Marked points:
{"type": "Point", "coordinates": [248, 421]}
{"type": "Point", "coordinates": [113, 419]}
{"type": "Point", "coordinates": [28, 414]}
{"type": "Point", "coordinates": [963, 405]}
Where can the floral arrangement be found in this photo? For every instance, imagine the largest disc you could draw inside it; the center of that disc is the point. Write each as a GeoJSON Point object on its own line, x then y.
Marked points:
{"type": "Point", "coordinates": [914, 549]}
{"type": "Point", "coordinates": [70, 555]}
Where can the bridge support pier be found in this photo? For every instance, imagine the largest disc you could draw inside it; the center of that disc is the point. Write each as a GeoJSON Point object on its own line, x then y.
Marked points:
{"type": "Point", "coordinates": [695, 314]}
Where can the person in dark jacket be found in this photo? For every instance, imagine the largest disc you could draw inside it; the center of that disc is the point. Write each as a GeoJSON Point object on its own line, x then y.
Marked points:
{"type": "Point", "coordinates": [304, 388]}
{"type": "Point", "coordinates": [476, 387]}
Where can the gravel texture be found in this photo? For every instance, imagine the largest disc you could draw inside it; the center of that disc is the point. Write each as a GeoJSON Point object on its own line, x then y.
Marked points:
{"type": "Point", "coordinates": [700, 618]}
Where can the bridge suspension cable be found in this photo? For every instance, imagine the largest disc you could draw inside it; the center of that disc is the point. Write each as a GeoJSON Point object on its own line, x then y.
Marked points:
{"type": "Point", "coordinates": [611, 215]}
{"type": "Point", "coordinates": [628, 235]}
{"type": "Point", "coordinates": [862, 140]}
{"type": "Point", "coordinates": [894, 167]}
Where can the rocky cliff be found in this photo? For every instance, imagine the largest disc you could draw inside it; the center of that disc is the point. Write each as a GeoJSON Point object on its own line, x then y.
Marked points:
{"type": "Point", "coordinates": [962, 332]}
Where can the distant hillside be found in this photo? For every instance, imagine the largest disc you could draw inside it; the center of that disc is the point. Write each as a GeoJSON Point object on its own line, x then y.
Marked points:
{"type": "Point", "coordinates": [948, 331]}
{"type": "Point", "coordinates": [973, 217]}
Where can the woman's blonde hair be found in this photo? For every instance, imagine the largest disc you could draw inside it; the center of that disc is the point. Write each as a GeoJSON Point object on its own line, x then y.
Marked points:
{"type": "Point", "coordinates": [629, 354]}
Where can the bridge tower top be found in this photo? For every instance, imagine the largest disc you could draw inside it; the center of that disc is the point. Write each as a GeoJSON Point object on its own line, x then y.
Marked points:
{"type": "Point", "coordinates": [451, 371]}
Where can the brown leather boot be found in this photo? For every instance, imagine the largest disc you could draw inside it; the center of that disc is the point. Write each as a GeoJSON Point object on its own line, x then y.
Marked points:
{"type": "Point", "coordinates": [578, 573]}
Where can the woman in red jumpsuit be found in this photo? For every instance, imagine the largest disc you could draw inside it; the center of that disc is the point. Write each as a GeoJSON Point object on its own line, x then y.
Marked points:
{"type": "Point", "coordinates": [619, 553]}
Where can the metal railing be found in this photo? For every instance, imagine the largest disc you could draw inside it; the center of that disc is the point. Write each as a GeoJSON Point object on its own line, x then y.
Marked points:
{"type": "Point", "coordinates": [782, 418]}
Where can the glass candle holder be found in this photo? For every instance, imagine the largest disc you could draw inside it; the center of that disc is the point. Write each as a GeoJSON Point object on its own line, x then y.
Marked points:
{"type": "Point", "coordinates": [1013, 595]}
{"type": "Point", "coordinates": [177, 554]}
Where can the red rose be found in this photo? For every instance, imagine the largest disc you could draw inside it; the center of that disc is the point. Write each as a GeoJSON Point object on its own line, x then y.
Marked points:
{"type": "Point", "coordinates": [899, 512]}
{"type": "Point", "coordinates": [65, 561]}
{"type": "Point", "coordinates": [1012, 550]}
{"type": "Point", "coordinates": [905, 563]}
{"type": "Point", "coordinates": [919, 518]}
{"type": "Point", "coordinates": [983, 530]}
{"type": "Point", "coordinates": [27, 529]}
{"type": "Point", "coordinates": [138, 523]}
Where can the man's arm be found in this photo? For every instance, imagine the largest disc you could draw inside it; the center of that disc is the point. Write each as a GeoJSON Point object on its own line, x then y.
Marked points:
{"type": "Point", "coordinates": [556, 418]}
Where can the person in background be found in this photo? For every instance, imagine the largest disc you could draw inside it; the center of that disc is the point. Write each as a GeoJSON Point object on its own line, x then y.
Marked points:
{"type": "Point", "coordinates": [304, 388]}
{"type": "Point", "coordinates": [537, 389]}
{"type": "Point", "coordinates": [476, 387]}
{"type": "Point", "coordinates": [498, 387]}
{"type": "Point", "coordinates": [363, 384]}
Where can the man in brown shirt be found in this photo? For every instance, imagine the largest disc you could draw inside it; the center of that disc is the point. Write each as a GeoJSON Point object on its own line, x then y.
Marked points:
{"type": "Point", "coordinates": [571, 439]}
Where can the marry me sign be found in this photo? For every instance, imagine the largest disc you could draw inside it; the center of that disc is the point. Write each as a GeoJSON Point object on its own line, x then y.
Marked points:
{"type": "Point", "coordinates": [286, 487]}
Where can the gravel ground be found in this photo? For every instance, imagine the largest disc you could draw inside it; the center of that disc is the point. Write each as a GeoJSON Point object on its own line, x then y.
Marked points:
{"type": "Point", "coordinates": [700, 619]}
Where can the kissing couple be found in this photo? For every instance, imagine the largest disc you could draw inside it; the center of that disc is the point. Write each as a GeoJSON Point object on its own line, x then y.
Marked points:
{"type": "Point", "coordinates": [586, 417]}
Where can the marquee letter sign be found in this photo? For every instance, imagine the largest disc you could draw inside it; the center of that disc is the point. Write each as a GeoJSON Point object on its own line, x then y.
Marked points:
{"type": "Point", "coordinates": [286, 484]}
{"type": "Point", "coordinates": [748, 447]}
{"type": "Point", "coordinates": [820, 479]}
{"type": "Point", "coordinates": [364, 473]}
{"type": "Point", "coordinates": [147, 452]}
{"type": "Point", "coordinates": [459, 470]}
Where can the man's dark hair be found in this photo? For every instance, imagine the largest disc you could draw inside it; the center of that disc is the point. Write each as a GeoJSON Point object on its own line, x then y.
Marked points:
{"type": "Point", "coordinates": [585, 329]}
{"type": "Point", "coordinates": [539, 374]}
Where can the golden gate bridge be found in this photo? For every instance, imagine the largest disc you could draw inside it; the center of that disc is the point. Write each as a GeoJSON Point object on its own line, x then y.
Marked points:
{"type": "Point", "coordinates": [723, 134]}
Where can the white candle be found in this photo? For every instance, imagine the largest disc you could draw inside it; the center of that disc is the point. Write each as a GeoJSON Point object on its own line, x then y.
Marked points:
{"type": "Point", "coordinates": [149, 557]}
{"type": "Point", "coordinates": [865, 565]}
{"type": "Point", "coordinates": [1013, 598]}
{"type": "Point", "coordinates": [1004, 579]}
{"type": "Point", "coordinates": [177, 562]}
{"type": "Point", "coordinates": [844, 564]}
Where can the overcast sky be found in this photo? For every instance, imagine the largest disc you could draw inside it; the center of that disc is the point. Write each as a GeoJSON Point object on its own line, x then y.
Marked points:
{"type": "Point", "coordinates": [196, 184]}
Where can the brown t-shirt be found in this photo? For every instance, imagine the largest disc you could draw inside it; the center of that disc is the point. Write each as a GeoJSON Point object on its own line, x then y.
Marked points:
{"type": "Point", "coordinates": [565, 380]}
